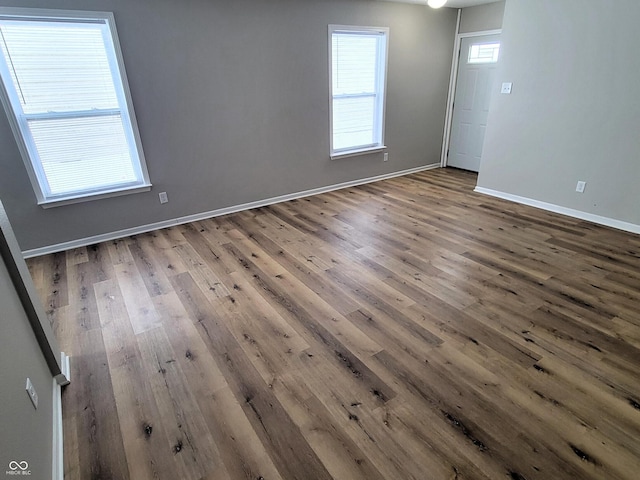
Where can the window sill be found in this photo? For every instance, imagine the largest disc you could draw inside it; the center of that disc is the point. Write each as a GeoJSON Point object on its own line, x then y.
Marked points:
{"type": "Point", "coordinates": [94, 196]}
{"type": "Point", "coordinates": [353, 153]}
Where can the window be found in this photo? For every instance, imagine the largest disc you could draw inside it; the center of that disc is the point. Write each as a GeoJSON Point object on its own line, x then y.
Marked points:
{"type": "Point", "coordinates": [358, 64]}
{"type": "Point", "coordinates": [484, 53]}
{"type": "Point", "coordinates": [67, 98]}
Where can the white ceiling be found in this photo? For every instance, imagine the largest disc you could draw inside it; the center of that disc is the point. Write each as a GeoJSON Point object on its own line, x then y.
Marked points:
{"type": "Point", "coordinates": [466, 3]}
{"type": "Point", "coordinates": [452, 3]}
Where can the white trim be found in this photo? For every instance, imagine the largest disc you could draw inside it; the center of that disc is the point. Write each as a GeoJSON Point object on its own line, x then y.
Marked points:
{"type": "Point", "coordinates": [570, 212]}
{"type": "Point", "coordinates": [64, 378]}
{"type": "Point", "coordinates": [480, 33]}
{"type": "Point", "coordinates": [446, 139]}
{"type": "Point", "coordinates": [450, 96]}
{"type": "Point", "coordinates": [57, 461]}
{"type": "Point", "coordinates": [383, 48]}
{"type": "Point", "coordinates": [354, 153]}
{"type": "Point", "coordinates": [51, 203]}
{"type": "Point", "coordinates": [105, 237]}
{"type": "Point", "coordinates": [129, 110]}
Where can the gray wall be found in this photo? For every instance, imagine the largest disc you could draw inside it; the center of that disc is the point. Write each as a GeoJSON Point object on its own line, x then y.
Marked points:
{"type": "Point", "coordinates": [232, 104]}
{"type": "Point", "coordinates": [26, 433]}
{"type": "Point", "coordinates": [573, 114]}
{"type": "Point", "coordinates": [482, 17]}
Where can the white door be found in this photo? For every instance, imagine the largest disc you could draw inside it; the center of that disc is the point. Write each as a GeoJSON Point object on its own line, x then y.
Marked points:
{"type": "Point", "coordinates": [475, 83]}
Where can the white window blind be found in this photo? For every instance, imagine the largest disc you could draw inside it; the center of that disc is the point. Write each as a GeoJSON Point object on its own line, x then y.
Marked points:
{"type": "Point", "coordinates": [358, 71]}
{"type": "Point", "coordinates": [64, 86]}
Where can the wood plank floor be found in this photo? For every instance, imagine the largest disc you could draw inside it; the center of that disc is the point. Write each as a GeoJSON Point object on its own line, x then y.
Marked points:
{"type": "Point", "coordinates": [406, 329]}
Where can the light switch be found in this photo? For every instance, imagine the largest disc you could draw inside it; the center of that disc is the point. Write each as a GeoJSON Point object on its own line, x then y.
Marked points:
{"type": "Point", "coordinates": [506, 87]}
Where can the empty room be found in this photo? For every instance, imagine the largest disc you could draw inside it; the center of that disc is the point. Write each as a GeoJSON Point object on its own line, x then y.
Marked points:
{"type": "Point", "coordinates": [319, 240]}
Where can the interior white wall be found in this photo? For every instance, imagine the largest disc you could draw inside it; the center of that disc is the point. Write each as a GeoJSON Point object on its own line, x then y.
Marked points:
{"type": "Point", "coordinates": [573, 114]}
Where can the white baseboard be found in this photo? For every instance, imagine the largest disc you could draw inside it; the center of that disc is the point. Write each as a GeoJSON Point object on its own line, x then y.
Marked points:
{"type": "Point", "coordinates": [64, 378]}
{"type": "Point", "coordinates": [570, 212]}
{"type": "Point", "coordinates": [105, 237]}
{"type": "Point", "coordinates": [57, 463]}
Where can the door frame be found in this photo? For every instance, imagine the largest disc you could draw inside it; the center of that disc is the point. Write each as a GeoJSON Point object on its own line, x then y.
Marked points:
{"type": "Point", "coordinates": [446, 140]}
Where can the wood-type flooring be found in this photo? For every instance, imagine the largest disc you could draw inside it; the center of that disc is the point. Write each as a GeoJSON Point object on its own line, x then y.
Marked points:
{"type": "Point", "coordinates": [404, 329]}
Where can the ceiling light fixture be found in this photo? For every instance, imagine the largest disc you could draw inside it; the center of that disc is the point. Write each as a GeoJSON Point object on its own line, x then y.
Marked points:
{"type": "Point", "coordinates": [436, 3]}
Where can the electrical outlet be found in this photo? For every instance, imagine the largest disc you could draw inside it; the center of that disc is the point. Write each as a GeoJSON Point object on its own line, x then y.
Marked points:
{"type": "Point", "coordinates": [33, 396]}
{"type": "Point", "coordinates": [581, 186]}
{"type": "Point", "coordinates": [506, 87]}
{"type": "Point", "coordinates": [163, 197]}
{"type": "Point", "coordinates": [386, 157]}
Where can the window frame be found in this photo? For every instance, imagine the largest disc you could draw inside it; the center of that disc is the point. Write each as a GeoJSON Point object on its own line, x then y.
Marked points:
{"type": "Point", "coordinates": [381, 88]}
{"type": "Point", "coordinates": [483, 60]}
{"type": "Point", "coordinates": [21, 132]}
